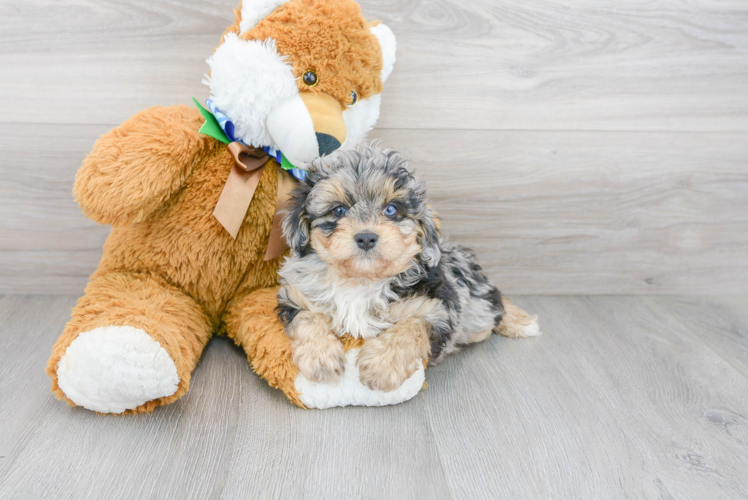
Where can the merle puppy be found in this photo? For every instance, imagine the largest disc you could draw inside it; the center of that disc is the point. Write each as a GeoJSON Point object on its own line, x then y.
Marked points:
{"type": "Point", "coordinates": [367, 261]}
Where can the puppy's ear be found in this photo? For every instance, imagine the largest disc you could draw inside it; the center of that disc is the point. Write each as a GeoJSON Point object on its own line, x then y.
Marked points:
{"type": "Point", "coordinates": [296, 222]}
{"type": "Point", "coordinates": [429, 238]}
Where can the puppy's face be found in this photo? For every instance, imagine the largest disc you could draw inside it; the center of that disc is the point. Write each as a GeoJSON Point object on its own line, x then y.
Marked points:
{"type": "Point", "coordinates": [364, 214]}
{"type": "Point", "coordinates": [361, 227]}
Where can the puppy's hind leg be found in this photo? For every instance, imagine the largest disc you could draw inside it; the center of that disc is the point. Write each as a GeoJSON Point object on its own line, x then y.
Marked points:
{"type": "Point", "coordinates": [516, 323]}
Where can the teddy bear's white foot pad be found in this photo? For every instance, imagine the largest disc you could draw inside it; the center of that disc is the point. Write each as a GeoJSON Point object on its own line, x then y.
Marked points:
{"type": "Point", "coordinates": [351, 392]}
{"type": "Point", "coordinates": [116, 368]}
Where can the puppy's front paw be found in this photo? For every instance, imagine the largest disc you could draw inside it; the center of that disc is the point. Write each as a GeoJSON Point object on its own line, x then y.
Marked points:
{"type": "Point", "coordinates": [320, 359]}
{"type": "Point", "coordinates": [384, 366]}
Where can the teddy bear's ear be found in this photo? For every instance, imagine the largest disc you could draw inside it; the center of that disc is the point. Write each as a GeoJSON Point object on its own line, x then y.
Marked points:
{"type": "Point", "coordinates": [254, 11]}
{"type": "Point", "coordinates": [388, 43]}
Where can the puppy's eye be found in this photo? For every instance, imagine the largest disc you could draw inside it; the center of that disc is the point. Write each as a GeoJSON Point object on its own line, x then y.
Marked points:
{"type": "Point", "coordinates": [339, 211]}
{"type": "Point", "coordinates": [390, 210]}
{"type": "Point", "coordinates": [310, 78]}
{"type": "Point", "coordinates": [354, 98]}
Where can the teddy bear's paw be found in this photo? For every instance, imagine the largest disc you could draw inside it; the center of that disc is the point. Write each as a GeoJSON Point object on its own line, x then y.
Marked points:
{"type": "Point", "coordinates": [320, 359]}
{"type": "Point", "coordinates": [116, 368]}
{"type": "Point", "coordinates": [384, 366]}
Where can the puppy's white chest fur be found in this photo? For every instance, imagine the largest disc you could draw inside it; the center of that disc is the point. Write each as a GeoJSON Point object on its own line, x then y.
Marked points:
{"type": "Point", "coordinates": [358, 310]}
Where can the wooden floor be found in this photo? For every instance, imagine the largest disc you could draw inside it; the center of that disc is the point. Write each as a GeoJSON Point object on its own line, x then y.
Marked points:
{"type": "Point", "coordinates": [636, 397]}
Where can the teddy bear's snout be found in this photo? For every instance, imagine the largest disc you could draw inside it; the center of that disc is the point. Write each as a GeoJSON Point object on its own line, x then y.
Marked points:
{"type": "Point", "coordinates": [327, 143]}
{"type": "Point", "coordinates": [306, 126]}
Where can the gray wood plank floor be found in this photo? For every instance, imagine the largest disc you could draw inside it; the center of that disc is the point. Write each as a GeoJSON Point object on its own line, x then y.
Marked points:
{"type": "Point", "coordinates": [636, 397]}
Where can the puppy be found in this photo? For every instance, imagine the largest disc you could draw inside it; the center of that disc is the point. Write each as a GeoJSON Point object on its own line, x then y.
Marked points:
{"type": "Point", "coordinates": [367, 261]}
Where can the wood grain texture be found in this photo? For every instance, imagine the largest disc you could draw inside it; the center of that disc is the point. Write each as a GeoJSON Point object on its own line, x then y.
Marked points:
{"type": "Point", "coordinates": [618, 399]}
{"type": "Point", "coordinates": [584, 147]}
{"type": "Point", "coordinates": [726, 324]}
{"type": "Point", "coordinates": [609, 213]}
{"type": "Point", "coordinates": [621, 397]}
{"type": "Point", "coordinates": [547, 212]}
{"type": "Point", "coordinates": [463, 64]}
{"type": "Point", "coordinates": [46, 244]}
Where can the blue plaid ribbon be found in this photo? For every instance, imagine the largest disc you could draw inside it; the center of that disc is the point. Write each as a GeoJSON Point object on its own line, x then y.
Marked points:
{"type": "Point", "coordinates": [228, 128]}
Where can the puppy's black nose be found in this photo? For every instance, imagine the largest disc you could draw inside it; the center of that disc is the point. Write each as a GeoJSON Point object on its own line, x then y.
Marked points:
{"type": "Point", "coordinates": [327, 143]}
{"type": "Point", "coordinates": [366, 241]}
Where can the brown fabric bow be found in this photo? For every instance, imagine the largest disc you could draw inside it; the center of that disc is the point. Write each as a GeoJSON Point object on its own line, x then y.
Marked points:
{"type": "Point", "coordinates": [239, 189]}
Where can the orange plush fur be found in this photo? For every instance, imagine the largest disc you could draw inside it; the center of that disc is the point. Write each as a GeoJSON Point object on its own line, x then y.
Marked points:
{"type": "Point", "coordinates": [329, 37]}
{"type": "Point", "coordinates": [168, 267]}
{"type": "Point", "coordinates": [334, 41]}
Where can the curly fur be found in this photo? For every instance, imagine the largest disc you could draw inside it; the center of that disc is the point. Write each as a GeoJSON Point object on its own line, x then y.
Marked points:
{"type": "Point", "coordinates": [440, 283]}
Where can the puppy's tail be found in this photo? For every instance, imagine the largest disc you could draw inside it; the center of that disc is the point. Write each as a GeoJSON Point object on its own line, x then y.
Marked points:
{"type": "Point", "coordinates": [516, 323]}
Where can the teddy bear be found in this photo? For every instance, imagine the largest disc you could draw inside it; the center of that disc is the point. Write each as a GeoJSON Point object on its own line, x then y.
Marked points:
{"type": "Point", "coordinates": [194, 197]}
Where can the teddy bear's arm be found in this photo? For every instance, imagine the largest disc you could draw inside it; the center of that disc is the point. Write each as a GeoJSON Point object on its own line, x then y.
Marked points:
{"type": "Point", "coordinates": [136, 167]}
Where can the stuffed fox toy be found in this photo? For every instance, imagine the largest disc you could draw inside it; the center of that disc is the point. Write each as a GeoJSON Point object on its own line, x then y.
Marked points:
{"type": "Point", "coordinates": [290, 81]}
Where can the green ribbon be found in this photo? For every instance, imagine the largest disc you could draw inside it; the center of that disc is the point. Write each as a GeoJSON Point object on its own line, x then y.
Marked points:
{"type": "Point", "coordinates": [213, 129]}
{"type": "Point", "coordinates": [211, 126]}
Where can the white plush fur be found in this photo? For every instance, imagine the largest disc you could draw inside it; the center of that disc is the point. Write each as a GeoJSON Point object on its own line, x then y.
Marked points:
{"type": "Point", "coordinates": [351, 392]}
{"type": "Point", "coordinates": [351, 309]}
{"type": "Point", "coordinates": [248, 79]}
{"type": "Point", "coordinates": [290, 125]}
{"type": "Point", "coordinates": [389, 47]}
{"type": "Point", "coordinates": [254, 11]}
{"type": "Point", "coordinates": [360, 119]}
{"type": "Point", "coordinates": [116, 368]}
{"type": "Point", "coordinates": [355, 309]}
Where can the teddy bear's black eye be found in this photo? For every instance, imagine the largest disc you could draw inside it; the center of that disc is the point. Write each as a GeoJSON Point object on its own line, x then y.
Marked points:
{"type": "Point", "coordinates": [339, 211]}
{"type": "Point", "coordinates": [310, 78]}
{"type": "Point", "coordinates": [354, 98]}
